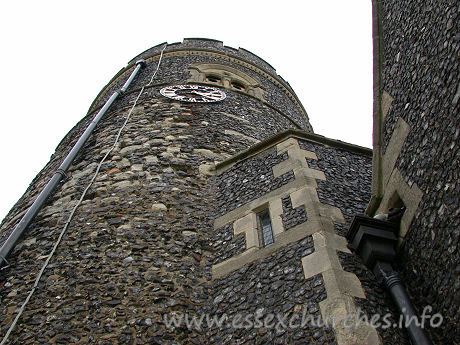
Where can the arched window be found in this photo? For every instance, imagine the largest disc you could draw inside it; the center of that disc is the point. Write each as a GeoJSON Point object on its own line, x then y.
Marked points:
{"type": "Point", "coordinates": [213, 78]}
{"type": "Point", "coordinates": [238, 86]}
{"type": "Point", "coordinates": [227, 77]}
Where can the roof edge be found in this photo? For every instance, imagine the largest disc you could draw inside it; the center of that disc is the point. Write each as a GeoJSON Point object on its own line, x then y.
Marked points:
{"type": "Point", "coordinates": [286, 134]}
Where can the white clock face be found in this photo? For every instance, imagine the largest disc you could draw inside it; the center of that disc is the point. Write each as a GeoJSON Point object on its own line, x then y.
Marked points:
{"type": "Point", "coordinates": [193, 93]}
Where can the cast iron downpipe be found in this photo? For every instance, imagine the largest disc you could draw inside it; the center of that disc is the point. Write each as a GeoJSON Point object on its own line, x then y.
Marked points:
{"type": "Point", "coordinates": [389, 277]}
{"type": "Point", "coordinates": [14, 237]}
{"type": "Point", "coordinates": [375, 241]}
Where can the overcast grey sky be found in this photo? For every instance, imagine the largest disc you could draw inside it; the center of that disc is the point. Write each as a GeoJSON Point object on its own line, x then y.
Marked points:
{"type": "Point", "coordinates": [57, 55]}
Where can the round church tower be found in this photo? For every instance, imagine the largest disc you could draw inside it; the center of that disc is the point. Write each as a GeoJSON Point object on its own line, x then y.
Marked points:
{"type": "Point", "coordinates": [201, 192]}
{"type": "Point", "coordinates": [146, 217]}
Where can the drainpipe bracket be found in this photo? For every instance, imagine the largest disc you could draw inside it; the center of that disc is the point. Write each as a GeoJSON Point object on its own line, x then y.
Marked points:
{"type": "Point", "coordinates": [61, 172]}
{"type": "Point", "coordinates": [141, 62]}
{"type": "Point", "coordinates": [7, 264]}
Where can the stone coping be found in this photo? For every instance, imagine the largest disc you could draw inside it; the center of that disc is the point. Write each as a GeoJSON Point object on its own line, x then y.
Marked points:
{"type": "Point", "coordinates": [290, 133]}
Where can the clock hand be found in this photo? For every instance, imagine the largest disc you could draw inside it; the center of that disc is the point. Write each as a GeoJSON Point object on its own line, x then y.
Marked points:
{"type": "Point", "coordinates": [201, 93]}
{"type": "Point", "coordinates": [207, 94]}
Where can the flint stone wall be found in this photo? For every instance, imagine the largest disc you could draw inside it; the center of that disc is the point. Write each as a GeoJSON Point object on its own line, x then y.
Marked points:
{"type": "Point", "coordinates": [420, 70]}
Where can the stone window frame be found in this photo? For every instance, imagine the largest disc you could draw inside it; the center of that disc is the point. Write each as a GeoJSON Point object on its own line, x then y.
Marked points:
{"type": "Point", "coordinates": [227, 77]}
{"type": "Point", "coordinates": [262, 235]}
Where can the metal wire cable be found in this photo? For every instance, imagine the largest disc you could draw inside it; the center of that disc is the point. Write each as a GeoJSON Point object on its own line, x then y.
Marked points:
{"type": "Point", "coordinates": [69, 219]}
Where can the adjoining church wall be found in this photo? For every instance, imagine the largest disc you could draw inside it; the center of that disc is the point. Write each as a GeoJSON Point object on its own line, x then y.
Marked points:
{"type": "Point", "coordinates": [419, 102]}
{"type": "Point", "coordinates": [310, 189]}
